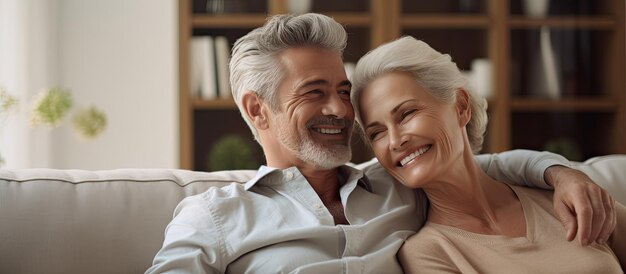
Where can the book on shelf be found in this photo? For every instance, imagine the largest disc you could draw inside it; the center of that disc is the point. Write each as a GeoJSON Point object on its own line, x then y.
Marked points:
{"type": "Point", "coordinates": [209, 74]}
{"type": "Point", "coordinates": [196, 50]}
{"type": "Point", "coordinates": [203, 73]}
{"type": "Point", "coordinates": [222, 58]}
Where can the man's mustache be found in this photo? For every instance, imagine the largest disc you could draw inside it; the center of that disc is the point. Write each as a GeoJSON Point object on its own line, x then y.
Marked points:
{"type": "Point", "coordinates": [328, 121]}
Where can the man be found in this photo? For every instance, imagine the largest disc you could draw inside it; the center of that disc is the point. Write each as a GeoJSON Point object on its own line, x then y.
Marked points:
{"type": "Point", "coordinates": [307, 212]}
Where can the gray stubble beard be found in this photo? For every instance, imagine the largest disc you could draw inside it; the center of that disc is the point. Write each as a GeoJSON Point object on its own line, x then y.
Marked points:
{"type": "Point", "coordinates": [308, 151]}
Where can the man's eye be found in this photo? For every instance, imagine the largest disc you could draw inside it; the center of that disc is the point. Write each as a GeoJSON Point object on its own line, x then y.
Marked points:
{"type": "Point", "coordinates": [345, 94]}
{"type": "Point", "coordinates": [315, 93]}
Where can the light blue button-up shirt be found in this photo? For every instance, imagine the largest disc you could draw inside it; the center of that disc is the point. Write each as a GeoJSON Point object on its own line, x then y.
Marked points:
{"type": "Point", "coordinates": [276, 223]}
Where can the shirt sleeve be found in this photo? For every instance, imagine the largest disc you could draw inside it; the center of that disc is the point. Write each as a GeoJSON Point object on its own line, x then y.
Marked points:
{"type": "Point", "coordinates": [191, 242]}
{"type": "Point", "coordinates": [521, 167]}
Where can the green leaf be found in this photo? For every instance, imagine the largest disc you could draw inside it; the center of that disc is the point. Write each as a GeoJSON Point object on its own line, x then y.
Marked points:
{"type": "Point", "coordinates": [50, 107]}
{"type": "Point", "coordinates": [7, 102]}
{"type": "Point", "coordinates": [89, 122]}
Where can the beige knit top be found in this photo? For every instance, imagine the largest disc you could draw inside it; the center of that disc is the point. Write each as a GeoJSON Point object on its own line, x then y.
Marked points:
{"type": "Point", "coordinates": [444, 249]}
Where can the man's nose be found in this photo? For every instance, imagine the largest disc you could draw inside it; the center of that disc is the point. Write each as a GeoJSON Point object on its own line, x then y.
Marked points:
{"type": "Point", "coordinates": [335, 106]}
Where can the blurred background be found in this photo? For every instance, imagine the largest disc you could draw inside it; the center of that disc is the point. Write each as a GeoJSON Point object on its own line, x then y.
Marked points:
{"type": "Point", "coordinates": [119, 55]}
{"type": "Point", "coordinates": [553, 72]}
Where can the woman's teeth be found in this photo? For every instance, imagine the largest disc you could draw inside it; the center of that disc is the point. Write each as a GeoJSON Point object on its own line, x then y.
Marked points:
{"type": "Point", "coordinates": [414, 155]}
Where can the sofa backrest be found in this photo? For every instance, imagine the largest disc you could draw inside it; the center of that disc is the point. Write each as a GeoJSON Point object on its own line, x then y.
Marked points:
{"type": "Point", "coordinates": [76, 221]}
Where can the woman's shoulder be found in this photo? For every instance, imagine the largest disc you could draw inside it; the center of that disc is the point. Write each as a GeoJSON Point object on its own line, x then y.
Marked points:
{"type": "Point", "coordinates": [427, 251]}
{"type": "Point", "coordinates": [427, 239]}
{"type": "Point", "coordinates": [538, 196]}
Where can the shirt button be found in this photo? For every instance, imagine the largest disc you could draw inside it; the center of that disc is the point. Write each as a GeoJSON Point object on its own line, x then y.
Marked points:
{"type": "Point", "coordinates": [318, 206]}
{"type": "Point", "coordinates": [289, 175]}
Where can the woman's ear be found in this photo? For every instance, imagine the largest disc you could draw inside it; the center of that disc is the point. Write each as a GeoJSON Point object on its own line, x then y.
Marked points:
{"type": "Point", "coordinates": [463, 106]}
{"type": "Point", "coordinates": [255, 110]}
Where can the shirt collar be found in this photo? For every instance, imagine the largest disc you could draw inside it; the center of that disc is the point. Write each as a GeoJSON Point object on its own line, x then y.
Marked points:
{"type": "Point", "coordinates": [262, 172]}
{"type": "Point", "coordinates": [350, 174]}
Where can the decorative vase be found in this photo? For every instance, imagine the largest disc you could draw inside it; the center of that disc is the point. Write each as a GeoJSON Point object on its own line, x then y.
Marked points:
{"type": "Point", "coordinates": [536, 8]}
{"type": "Point", "coordinates": [226, 6]}
{"type": "Point", "coordinates": [481, 76]}
{"type": "Point", "coordinates": [544, 70]}
{"type": "Point", "coordinates": [215, 6]}
{"type": "Point", "coordinates": [299, 6]}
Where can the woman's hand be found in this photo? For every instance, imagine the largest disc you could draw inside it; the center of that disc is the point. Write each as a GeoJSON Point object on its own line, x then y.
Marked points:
{"type": "Point", "coordinates": [584, 208]}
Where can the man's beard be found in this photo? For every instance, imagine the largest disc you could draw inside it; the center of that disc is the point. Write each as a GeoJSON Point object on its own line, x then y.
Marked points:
{"type": "Point", "coordinates": [306, 149]}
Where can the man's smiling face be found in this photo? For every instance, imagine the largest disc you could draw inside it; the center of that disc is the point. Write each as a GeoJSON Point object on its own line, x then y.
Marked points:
{"type": "Point", "coordinates": [315, 119]}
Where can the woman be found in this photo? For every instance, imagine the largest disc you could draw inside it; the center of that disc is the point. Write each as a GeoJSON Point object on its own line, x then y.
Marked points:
{"type": "Point", "coordinates": [424, 125]}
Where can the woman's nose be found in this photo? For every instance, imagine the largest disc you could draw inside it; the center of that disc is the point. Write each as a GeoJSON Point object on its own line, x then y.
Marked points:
{"type": "Point", "coordinates": [397, 139]}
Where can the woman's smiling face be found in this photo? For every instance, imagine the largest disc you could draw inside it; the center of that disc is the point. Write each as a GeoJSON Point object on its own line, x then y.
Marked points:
{"type": "Point", "coordinates": [415, 136]}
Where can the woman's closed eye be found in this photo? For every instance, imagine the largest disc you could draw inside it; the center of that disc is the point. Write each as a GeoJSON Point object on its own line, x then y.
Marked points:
{"type": "Point", "coordinates": [407, 113]}
{"type": "Point", "coordinates": [374, 134]}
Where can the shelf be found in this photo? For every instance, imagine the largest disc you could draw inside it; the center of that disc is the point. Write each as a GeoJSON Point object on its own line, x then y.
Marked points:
{"type": "Point", "coordinates": [352, 19]}
{"type": "Point", "coordinates": [595, 22]}
{"type": "Point", "coordinates": [444, 21]}
{"type": "Point", "coordinates": [239, 20]}
{"type": "Point", "coordinates": [228, 20]}
{"type": "Point", "coordinates": [574, 105]}
{"type": "Point", "coordinates": [200, 104]}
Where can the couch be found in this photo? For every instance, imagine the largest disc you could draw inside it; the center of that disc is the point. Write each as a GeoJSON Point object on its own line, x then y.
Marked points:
{"type": "Point", "coordinates": [77, 221]}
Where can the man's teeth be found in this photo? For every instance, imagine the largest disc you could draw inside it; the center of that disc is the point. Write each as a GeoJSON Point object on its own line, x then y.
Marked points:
{"type": "Point", "coordinates": [414, 155]}
{"type": "Point", "coordinates": [328, 130]}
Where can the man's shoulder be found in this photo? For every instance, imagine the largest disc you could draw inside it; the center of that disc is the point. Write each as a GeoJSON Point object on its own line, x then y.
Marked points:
{"type": "Point", "coordinates": [205, 205]}
{"type": "Point", "coordinates": [218, 195]}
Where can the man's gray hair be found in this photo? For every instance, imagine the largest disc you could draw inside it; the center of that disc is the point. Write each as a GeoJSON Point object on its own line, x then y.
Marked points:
{"type": "Point", "coordinates": [432, 70]}
{"type": "Point", "coordinates": [255, 64]}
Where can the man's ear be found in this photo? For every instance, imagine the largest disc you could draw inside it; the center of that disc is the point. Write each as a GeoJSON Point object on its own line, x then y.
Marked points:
{"type": "Point", "coordinates": [255, 110]}
{"type": "Point", "coordinates": [463, 106]}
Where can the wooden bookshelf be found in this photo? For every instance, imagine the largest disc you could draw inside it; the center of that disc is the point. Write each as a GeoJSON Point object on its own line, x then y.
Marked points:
{"type": "Point", "coordinates": [496, 30]}
{"type": "Point", "coordinates": [228, 21]}
{"type": "Point", "coordinates": [563, 105]}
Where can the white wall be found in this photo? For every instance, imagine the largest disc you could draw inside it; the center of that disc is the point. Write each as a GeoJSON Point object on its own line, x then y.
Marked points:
{"type": "Point", "coordinates": [28, 64]}
{"type": "Point", "coordinates": [120, 55]}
